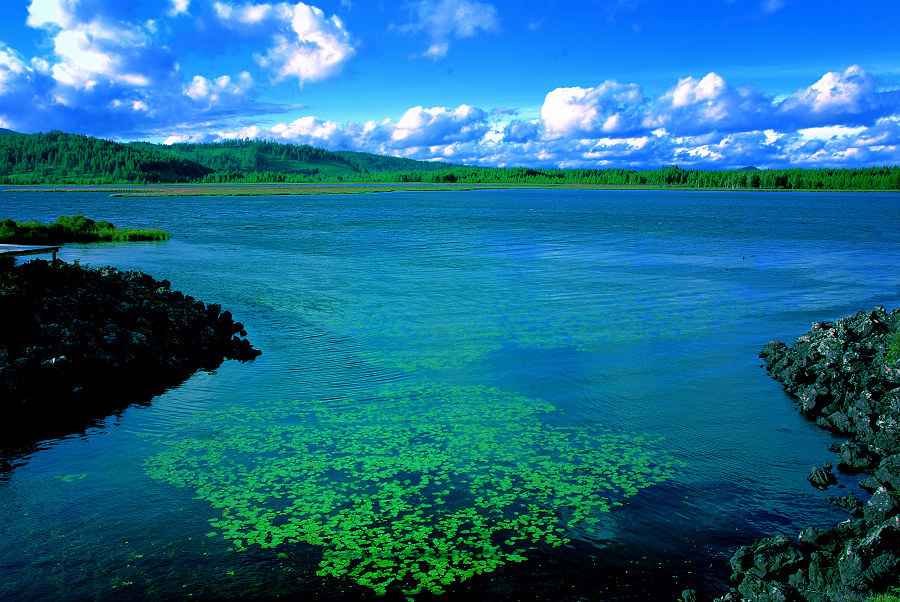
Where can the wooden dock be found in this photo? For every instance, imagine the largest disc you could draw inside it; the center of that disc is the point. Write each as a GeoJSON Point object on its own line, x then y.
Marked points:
{"type": "Point", "coordinates": [16, 250]}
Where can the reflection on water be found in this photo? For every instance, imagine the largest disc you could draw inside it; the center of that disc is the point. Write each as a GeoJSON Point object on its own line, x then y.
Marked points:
{"type": "Point", "coordinates": [447, 379]}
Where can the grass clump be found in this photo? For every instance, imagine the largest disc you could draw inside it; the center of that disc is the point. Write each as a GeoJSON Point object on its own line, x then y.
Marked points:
{"type": "Point", "coordinates": [71, 229]}
{"type": "Point", "coordinates": [893, 347]}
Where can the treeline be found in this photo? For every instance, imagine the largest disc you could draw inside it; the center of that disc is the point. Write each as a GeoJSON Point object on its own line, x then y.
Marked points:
{"type": "Point", "coordinates": [868, 178]}
{"type": "Point", "coordinates": [71, 229]}
{"type": "Point", "coordinates": [60, 158]}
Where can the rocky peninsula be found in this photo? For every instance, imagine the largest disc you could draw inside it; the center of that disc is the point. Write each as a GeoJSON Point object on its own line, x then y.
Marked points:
{"type": "Point", "coordinates": [846, 376]}
{"type": "Point", "coordinates": [79, 342]}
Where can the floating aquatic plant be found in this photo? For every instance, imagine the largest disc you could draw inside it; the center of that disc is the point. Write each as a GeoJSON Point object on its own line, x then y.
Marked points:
{"type": "Point", "coordinates": [417, 488]}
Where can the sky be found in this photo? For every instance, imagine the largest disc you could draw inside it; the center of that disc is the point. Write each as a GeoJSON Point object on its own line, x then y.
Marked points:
{"type": "Point", "coordinates": [712, 84]}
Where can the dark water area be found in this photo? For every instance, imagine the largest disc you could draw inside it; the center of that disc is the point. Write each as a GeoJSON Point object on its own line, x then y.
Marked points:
{"type": "Point", "coordinates": [579, 363]}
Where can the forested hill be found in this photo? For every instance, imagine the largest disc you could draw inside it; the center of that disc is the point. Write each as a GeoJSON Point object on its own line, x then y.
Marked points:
{"type": "Point", "coordinates": [231, 159]}
{"type": "Point", "coordinates": [59, 158]}
{"type": "Point", "coordinates": [248, 156]}
{"type": "Point", "coordinates": [382, 163]}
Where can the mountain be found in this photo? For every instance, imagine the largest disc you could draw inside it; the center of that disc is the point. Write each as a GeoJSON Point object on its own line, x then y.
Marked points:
{"type": "Point", "coordinates": [6, 132]}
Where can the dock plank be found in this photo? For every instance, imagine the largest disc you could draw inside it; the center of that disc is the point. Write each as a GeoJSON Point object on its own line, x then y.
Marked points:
{"type": "Point", "coordinates": [16, 250]}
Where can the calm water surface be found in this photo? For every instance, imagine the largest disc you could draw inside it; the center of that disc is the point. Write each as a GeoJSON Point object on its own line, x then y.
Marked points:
{"type": "Point", "coordinates": [616, 332]}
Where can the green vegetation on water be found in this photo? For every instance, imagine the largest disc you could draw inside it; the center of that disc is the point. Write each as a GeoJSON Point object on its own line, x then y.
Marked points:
{"type": "Point", "coordinates": [71, 229]}
{"type": "Point", "coordinates": [60, 158]}
{"type": "Point", "coordinates": [415, 489]}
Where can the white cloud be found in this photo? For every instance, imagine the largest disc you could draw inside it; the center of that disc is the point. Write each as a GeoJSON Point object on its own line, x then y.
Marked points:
{"type": "Point", "coordinates": [12, 67]}
{"type": "Point", "coordinates": [438, 125]}
{"type": "Point", "coordinates": [611, 107]}
{"type": "Point", "coordinates": [305, 44]}
{"type": "Point", "coordinates": [179, 7]}
{"type": "Point", "coordinates": [848, 98]}
{"type": "Point", "coordinates": [42, 13]}
{"type": "Point", "coordinates": [201, 89]}
{"type": "Point", "coordinates": [708, 104]}
{"type": "Point", "coordinates": [91, 46]}
{"type": "Point", "coordinates": [443, 20]}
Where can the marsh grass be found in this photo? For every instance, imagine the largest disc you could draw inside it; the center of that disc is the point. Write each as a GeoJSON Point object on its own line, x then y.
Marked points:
{"type": "Point", "coordinates": [71, 229]}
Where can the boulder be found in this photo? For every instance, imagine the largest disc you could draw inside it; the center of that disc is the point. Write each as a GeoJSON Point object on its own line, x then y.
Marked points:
{"type": "Point", "coordinates": [822, 478]}
{"type": "Point", "coordinates": [882, 506]}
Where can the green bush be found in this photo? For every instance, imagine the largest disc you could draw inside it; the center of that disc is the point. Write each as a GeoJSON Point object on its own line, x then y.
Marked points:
{"type": "Point", "coordinates": [77, 228]}
{"type": "Point", "coordinates": [893, 352]}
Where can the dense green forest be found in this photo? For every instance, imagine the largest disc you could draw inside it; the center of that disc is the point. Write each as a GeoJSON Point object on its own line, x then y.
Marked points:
{"type": "Point", "coordinates": [248, 156]}
{"type": "Point", "coordinates": [60, 158]}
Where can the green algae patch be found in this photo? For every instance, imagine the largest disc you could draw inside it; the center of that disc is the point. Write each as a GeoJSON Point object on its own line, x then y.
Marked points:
{"type": "Point", "coordinates": [414, 489]}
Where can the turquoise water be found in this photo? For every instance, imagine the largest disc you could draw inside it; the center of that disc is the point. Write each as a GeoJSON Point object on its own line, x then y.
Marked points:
{"type": "Point", "coordinates": [539, 394]}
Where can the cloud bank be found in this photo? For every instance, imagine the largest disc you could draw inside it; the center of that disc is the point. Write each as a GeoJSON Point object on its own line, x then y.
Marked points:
{"type": "Point", "coordinates": [844, 119]}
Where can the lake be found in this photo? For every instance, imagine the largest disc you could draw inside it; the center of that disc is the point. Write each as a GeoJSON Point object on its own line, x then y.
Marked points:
{"type": "Point", "coordinates": [501, 394]}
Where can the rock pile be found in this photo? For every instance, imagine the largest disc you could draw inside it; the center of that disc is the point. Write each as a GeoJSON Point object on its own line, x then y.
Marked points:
{"type": "Point", "coordinates": [845, 376]}
{"type": "Point", "coordinates": [77, 340]}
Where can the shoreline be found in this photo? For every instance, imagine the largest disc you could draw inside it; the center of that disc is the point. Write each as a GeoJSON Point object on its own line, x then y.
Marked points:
{"type": "Point", "coordinates": [266, 189]}
{"type": "Point", "coordinates": [844, 375]}
{"type": "Point", "coordinates": [87, 342]}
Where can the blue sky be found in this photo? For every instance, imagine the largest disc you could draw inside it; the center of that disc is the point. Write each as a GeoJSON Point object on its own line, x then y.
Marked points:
{"type": "Point", "coordinates": [601, 83]}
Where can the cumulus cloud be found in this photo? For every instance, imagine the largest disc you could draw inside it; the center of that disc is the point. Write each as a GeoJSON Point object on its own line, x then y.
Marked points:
{"type": "Point", "coordinates": [608, 108]}
{"type": "Point", "coordinates": [212, 92]}
{"type": "Point", "coordinates": [435, 126]}
{"type": "Point", "coordinates": [709, 104]}
{"type": "Point", "coordinates": [695, 124]}
{"type": "Point", "coordinates": [306, 44]}
{"type": "Point", "coordinates": [521, 131]}
{"type": "Point", "coordinates": [92, 48]}
{"type": "Point", "coordinates": [443, 20]}
{"type": "Point", "coordinates": [851, 97]}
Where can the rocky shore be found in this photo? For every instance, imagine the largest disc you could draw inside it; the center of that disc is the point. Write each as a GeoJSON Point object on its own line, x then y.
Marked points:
{"type": "Point", "coordinates": [846, 376]}
{"type": "Point", "coordinates": [78, 342]}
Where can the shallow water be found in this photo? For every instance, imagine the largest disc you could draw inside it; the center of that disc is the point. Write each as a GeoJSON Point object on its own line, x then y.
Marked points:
{"type": "Point", "coordinates": [546, 337]}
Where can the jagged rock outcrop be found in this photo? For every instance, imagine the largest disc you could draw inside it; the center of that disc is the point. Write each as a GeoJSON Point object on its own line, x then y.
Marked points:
{"type": "Point", "coordinates": [75, 340]}
{"type": "Point", "coordinates": [846, 376]}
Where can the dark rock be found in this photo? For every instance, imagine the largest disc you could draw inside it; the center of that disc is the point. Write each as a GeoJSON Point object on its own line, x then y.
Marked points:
{"type": "Point", "coordinates": [850, 503]}
{"type": "Point", "coordinates": [839, 376]}
{"type": "Point", "coordinates": [881, 506]}
{"type": "Point", "coordinates": [853, 455]}
{"type": "Point", "coordinates": [84, 342]}
{"type": "Point", "coordinates": [871, 564]}
{"type": "Point", "coordinates": [821, 478]}
{"type": "Point", "coordinates": [870, 484]}
{"type": "Point", "coordinates": [888, 472]}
